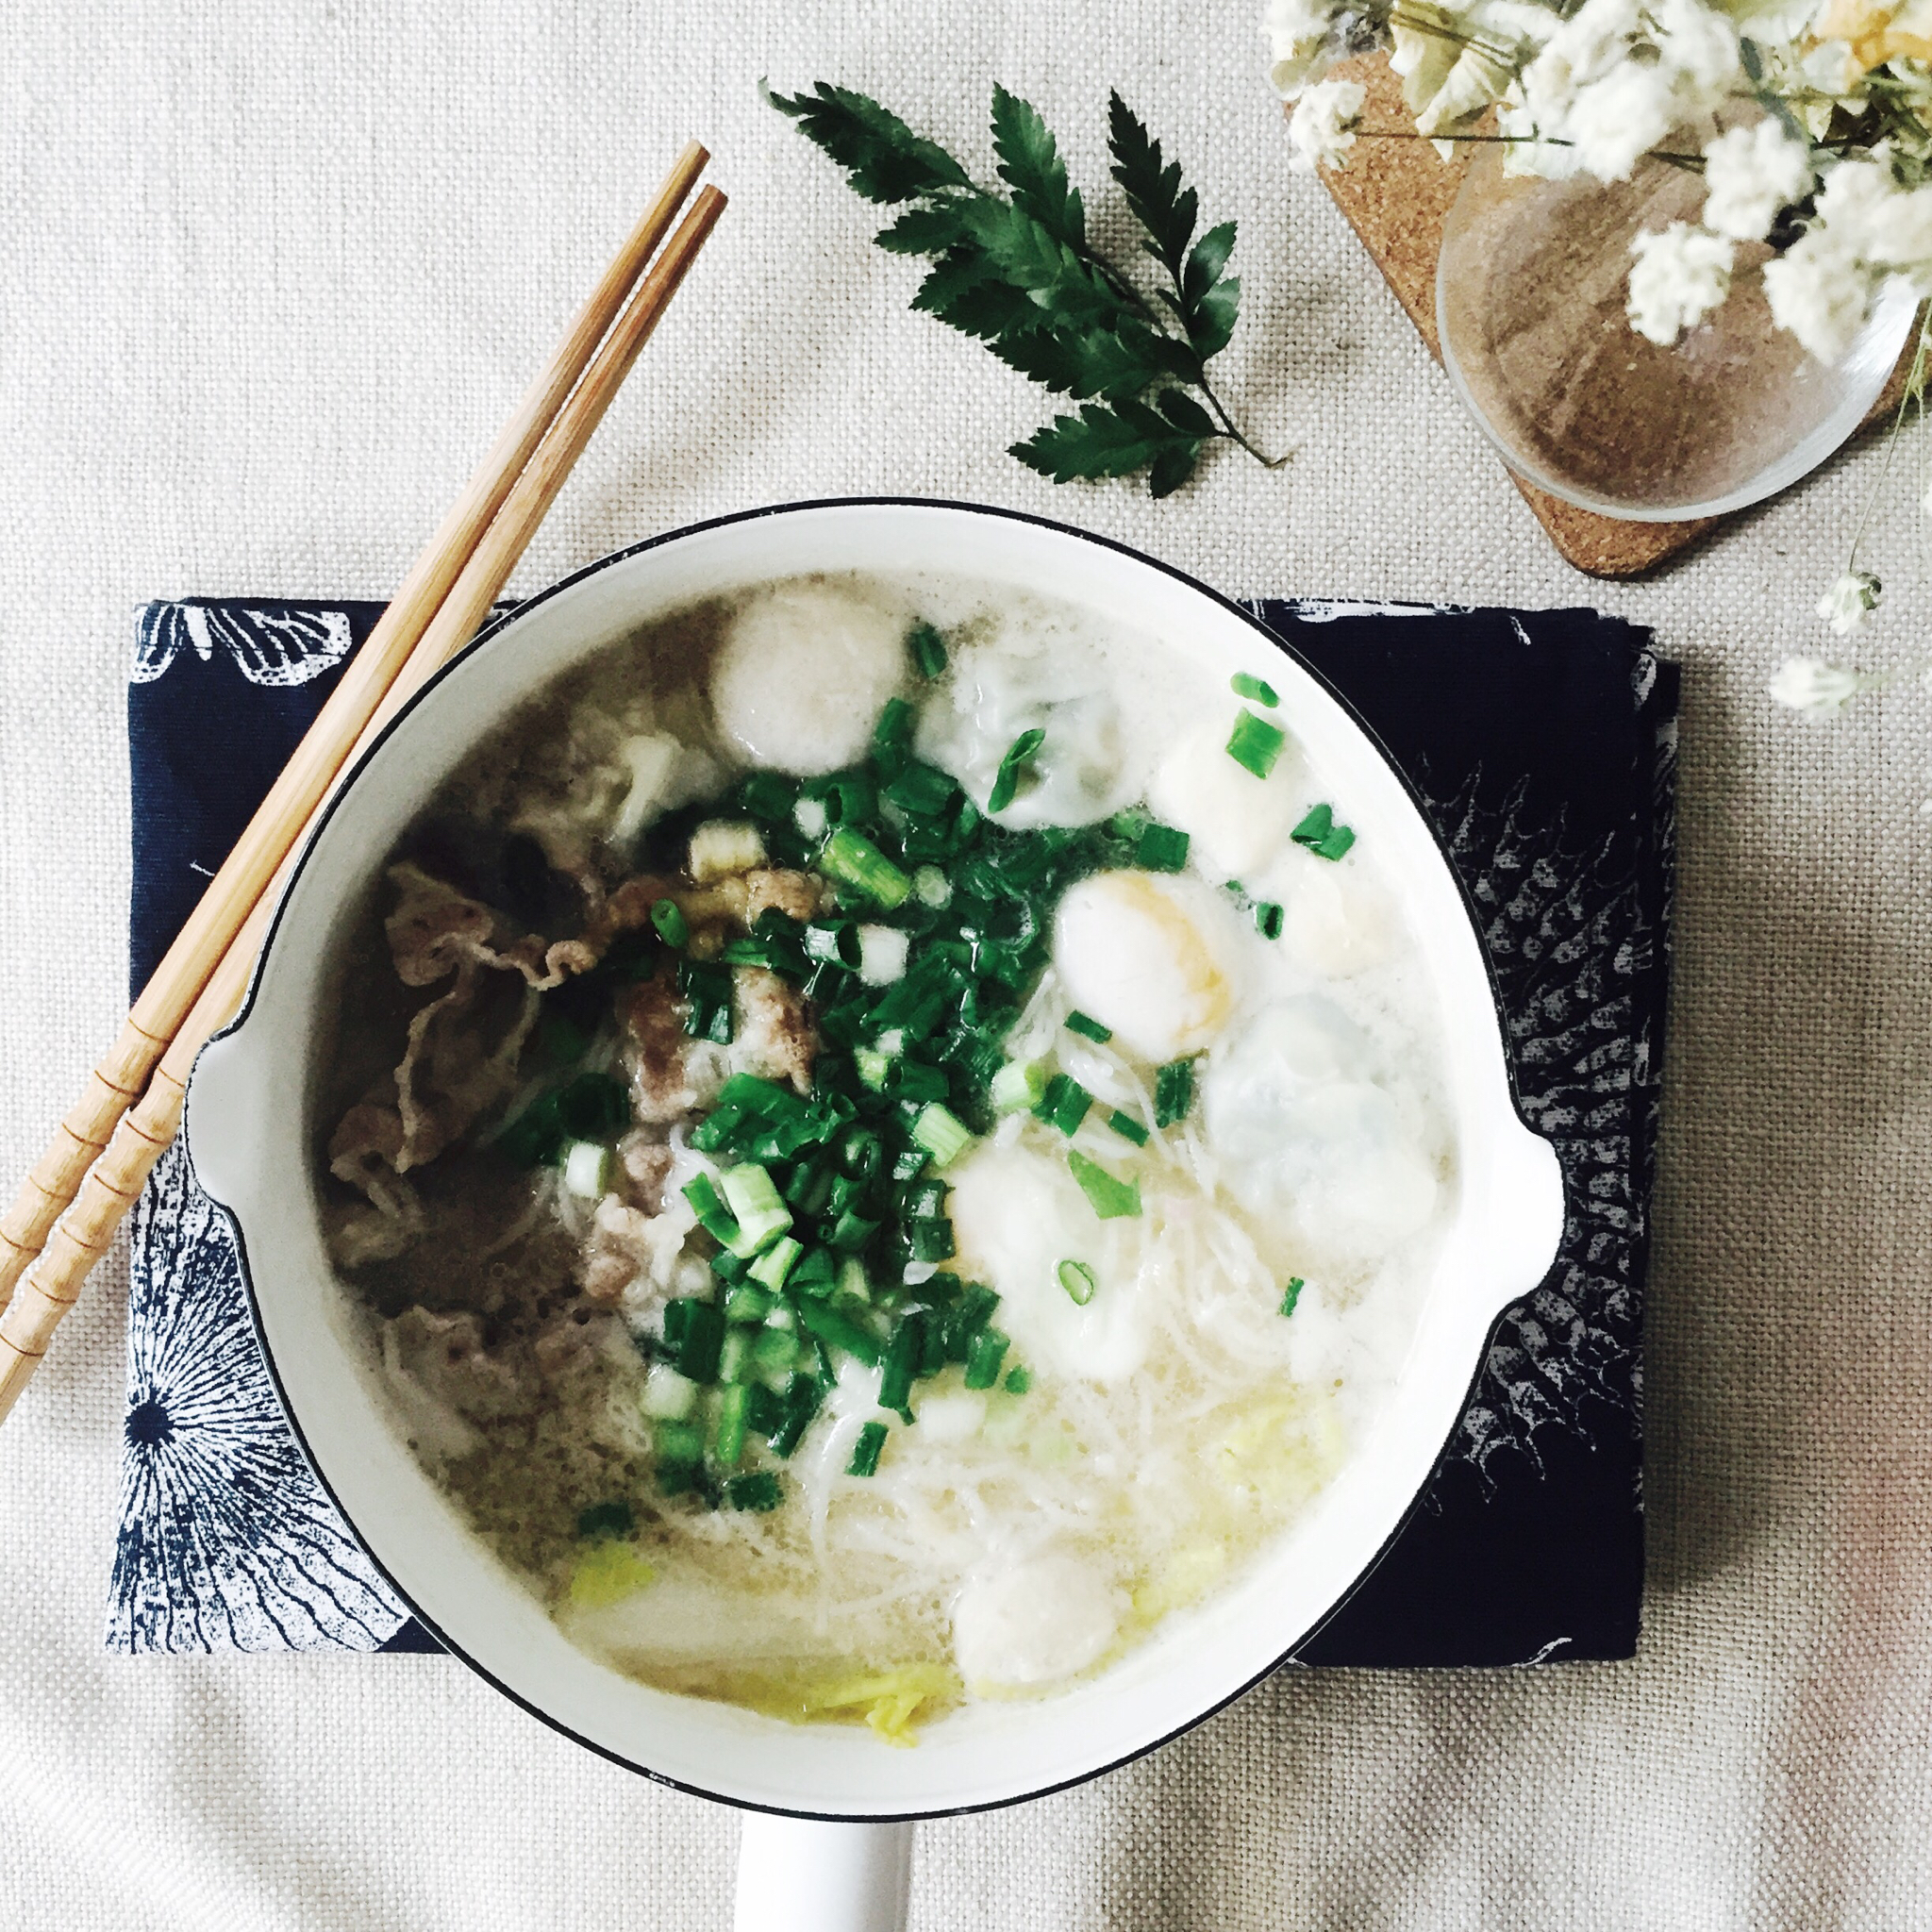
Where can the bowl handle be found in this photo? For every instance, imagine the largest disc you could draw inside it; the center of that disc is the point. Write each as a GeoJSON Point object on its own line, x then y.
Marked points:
{"type": "Point", "coordinates": [228, 1111]}
{"type": "Point", "coordinates": [801, 1875]}
{"type": "Point", "coordinates": [1529, 1214]}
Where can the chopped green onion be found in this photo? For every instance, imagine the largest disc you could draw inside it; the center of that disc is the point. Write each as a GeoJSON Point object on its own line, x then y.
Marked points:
{"type": "Point", "coordinates": [715, 1131]}
{"type": "Point", "coordinates": [1017, 1086]}
{"type": "Point", "coordinates": [707, 993]}
{"type": "Point", "coordinates": [1321, 834]}
{"type": "Point", "coordinates": [802, 1396]}
{"type": "Point", "coordinates": [1064, 1103]}
{"type": "Point", "coordinates": [1022, 751]}
{"type": "Point", "coordinates": [1077, 1280]}
{"type": "Point", "coordinates": [667, 1396]}
{"type": "Point", "coordinates": [713, 1217]}
{"type": "Point", "coordinates": [865, 1452]}
{"type": "Point", "coordinates": [902, 1356]}
{"type": "Point", "coordinates": [923, 1200]}
{"type": "Point", "coordinates": [668, 920]}
{"type": "Point", "coordinates": [594, 1108]}
{"type": "Point", "coordinates": [915, 1080]}
{"type": "Point", "coordinates": [766, 1098]}
{"type": "Point", "coordinates": [1256, 744]}
{"type": "Point", "coordinates": [813, 1275]}
{"type": "Point", "coordinates": [1269, 918]}
{"type": "Point", "coordinates": [922, 790]}
{"type": "Point", "coordinates": [932, 1237]}
{"type": "Point", "coordinates": [700, 1339]}
{"type": "Point", "coordinates": [765, 1409]}
{"type": "Point", "coordinates": [941, 1133]}
{"type": "Point", "coordinates": [607, 1518]}
{"type": "Point", "coordinates": [1173, 1092]}
{"type": "Point", "coordinates": [586, 1167]}
{"type": "Point", "coordinates": [872, 1065]}
{"type": "Point", "coordinates": [768, 795]}
{"type": "Point", "coordinates": [966, 1317]}
{"type": "Point", "coordinates": [1161, 849]}
{"type": "Point", "coordinates": [678, 1442]}
{"type": "Point", "coordinates": [748, 1303]}
{"type": "Point", "coordinates": [776, 1348]}
{"type": "Point", "coordinates": [734, 1356]}
{"type": "Point", "coordinates": [762, 1215]}
{"type": "Point", "coordinates": [851, 1231]}
{"type": "Point", "coordinates": [928, 650]}
{"type": "Point", "coordinates": [1127, 1128]}
{"type": "Point", "coordinates": [931, 887]}
{"type": "Point", "coordinates": [759, 1490]}
{"type": "Point", "coordinates": [1089, 1028]}
{"type": "Point", "coordinates": [1295, 1285]}
{"type": "Point", "coordinates": [861, 1152]}
{"type": "Point", "coordinates": [1246, 687]}
{"type": "Point", "coordinates": [560, 1039]}
{"type": "Point", "coordinates": [1111, 1198]}
{"type": "Point", "coordinates": [838, 1331]}
{"type": "Point", "coordinates": [731, 1428]}
{"type": "Point", "coordinates": [775, 1263]}
{"type": "Point", "coordinates": [855, 861]}
{"type": "Point", "coordinates": [893, 733]}
{"type": "Point", "coordinates": [983, 1361]}
{"type": "Point", "coordinates": [1018, 1381]}
{"type": "Point", "coordinates": [851, 1279]}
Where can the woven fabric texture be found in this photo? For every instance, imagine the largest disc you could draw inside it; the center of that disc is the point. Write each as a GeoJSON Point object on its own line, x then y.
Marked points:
{"type": "Point", "coordinates": [270, 278]}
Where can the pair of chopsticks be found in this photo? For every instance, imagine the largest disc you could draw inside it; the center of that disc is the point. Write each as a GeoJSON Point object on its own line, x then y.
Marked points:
{"type": "Point", "coordinates": [65, 1214]}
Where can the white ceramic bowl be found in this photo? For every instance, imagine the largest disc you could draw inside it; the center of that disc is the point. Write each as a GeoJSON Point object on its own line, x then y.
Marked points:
{"type": "Point", "coordinates": [250, 1100]}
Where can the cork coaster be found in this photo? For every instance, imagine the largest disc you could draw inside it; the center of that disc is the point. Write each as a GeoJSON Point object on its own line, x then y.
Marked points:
{"type": "Point", "coordinates": [1396, 195]}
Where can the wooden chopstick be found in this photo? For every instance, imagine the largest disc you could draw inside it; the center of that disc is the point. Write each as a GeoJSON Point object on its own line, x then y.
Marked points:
{"type": "Point", "coordinates": [122, 1072]}
{"type": "Point", "coordinates": [103, 1195]}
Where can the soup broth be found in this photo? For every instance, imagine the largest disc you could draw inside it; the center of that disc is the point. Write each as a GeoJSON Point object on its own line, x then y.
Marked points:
{"type": "Point", "coordinates": [889, 1136]}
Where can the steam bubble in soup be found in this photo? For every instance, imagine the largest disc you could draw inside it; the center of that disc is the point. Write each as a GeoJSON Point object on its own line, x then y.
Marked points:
{"type": "Point", "coordinates": [880, 1160]}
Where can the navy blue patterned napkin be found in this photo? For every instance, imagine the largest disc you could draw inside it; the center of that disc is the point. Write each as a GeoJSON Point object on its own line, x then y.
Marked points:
{"type": "Point", "coordinates": [1541, 745]}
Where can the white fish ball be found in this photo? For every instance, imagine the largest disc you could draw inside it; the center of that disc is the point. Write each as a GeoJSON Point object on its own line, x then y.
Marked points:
{"type": "Point", "coordinates": [1237, 821]}
{"type": "Point", "coordinates": [1034, 1622]}
{"type": "Point", "coordinates": [1017, 1216]}
{"type": "Point", "coordinates": [802, 676]}
{"type": "Point", "coordinates": [1150, 957]}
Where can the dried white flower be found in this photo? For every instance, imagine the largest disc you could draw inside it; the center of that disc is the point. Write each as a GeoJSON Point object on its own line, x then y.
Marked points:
{"type": "Point", "coordinates": [1819, 291]}
{"type": "Point", "coordinates": [1850, 601]}
{"type": "Point", "coordinates": [1323, 123]}
{"type": "Point", "coordinates": [1864, 208]}
{"type": "Point", "coordinates": [1613, 81]}
{"type": "Point", "coordinates": [1614, 123]}
{"type": "Point", "coordinates": [1749, 175]}
{"type": "Point", "coordinates": [1304, 36]}
{"type": "Point", "coordinates": [1808, 684]}
{"type": "Point", "coordinates": [1681, 274]}
{"type": "Point", "coordinates": [1832, 67]}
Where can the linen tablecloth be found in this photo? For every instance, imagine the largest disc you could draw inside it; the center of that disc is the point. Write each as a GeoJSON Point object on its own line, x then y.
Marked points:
{"type": "Point", "coordinates": [270, 277]}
